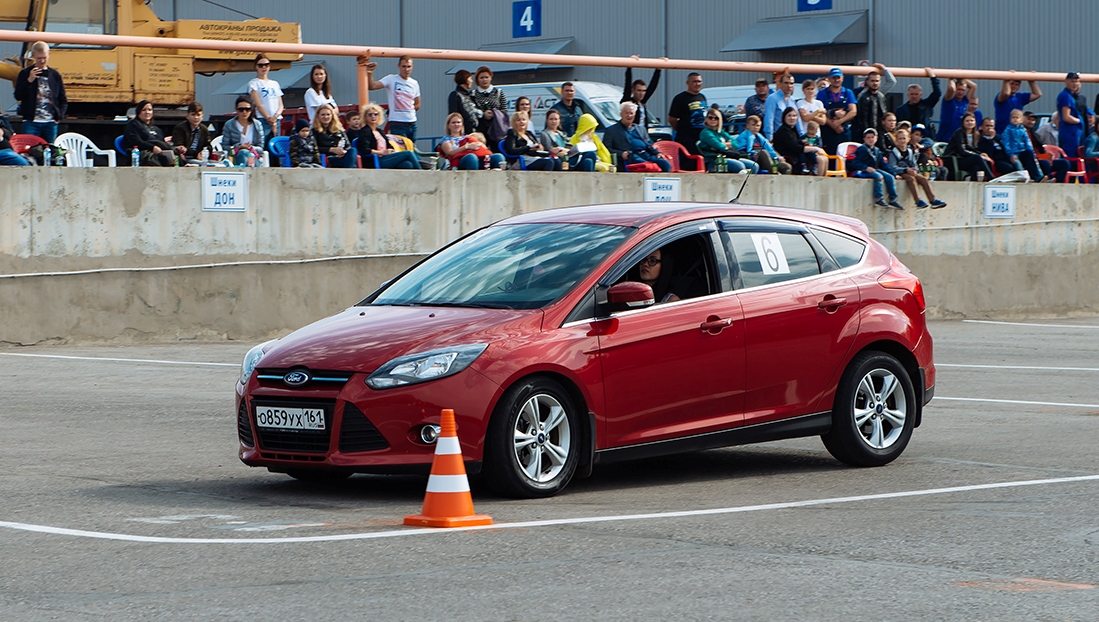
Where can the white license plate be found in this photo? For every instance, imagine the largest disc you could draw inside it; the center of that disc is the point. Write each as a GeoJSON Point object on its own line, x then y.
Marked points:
{"type": "Point", "coordinates": [290, 418]}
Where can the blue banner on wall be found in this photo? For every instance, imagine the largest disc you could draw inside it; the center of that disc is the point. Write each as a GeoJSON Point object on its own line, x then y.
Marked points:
{"type": "Point", "coordinates": [526, 18]}
{"type": "Point", "coordinates": [814, 5]}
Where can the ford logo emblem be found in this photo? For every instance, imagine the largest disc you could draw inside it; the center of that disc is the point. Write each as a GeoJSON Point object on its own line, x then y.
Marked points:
{"type": "Point", "coordinates": [296, 378]}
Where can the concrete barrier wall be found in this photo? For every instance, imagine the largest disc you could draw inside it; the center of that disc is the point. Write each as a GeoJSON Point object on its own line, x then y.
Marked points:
{"type": "Point", "coordinates": [109, 254]}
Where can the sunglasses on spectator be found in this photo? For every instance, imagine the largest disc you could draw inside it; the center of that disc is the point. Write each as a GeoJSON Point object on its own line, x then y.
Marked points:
{"type": "Point", "coordinates": [263, 64]}
{"type": "Point", "coordinates": [244, 109]}
{"type": "Point", "coordinates": [650, 261]}
{"type": "Point", "coordinates": [371, 114]}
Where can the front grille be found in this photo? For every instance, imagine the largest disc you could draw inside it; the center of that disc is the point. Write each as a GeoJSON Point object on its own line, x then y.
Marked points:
{"type": "Point", "coordinates": [311, 441]}
{"type": "Point", "coordinates": [318, 379]}
{"type": "Point", "coordinates": [357, 433]}
{"type": "Point", "coordinates": [244, 426]}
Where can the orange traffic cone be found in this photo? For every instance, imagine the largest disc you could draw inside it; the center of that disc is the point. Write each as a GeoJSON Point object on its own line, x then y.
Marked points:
{"type": "Point", "coordinates": [448, 502]}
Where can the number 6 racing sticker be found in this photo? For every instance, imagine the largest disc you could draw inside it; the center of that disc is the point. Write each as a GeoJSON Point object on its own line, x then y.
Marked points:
{"type": "Point", "coordinates": [771, 256]}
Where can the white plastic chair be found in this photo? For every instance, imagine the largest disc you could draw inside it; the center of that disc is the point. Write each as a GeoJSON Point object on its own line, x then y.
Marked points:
{"type": "Point", "coordinates": [76, 148]}
{"type": "Point", "coordinates": [265, 161]}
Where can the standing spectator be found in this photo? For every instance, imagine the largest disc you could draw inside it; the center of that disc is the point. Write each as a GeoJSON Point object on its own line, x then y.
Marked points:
{"type": "Point", "coordinates": [869, 162]}
{"type": "Point", "coordinates": [403, 92]}
{"type": "Point", "coordinates": [554, 140]}
{"type": "Point", "coordinates": [989, 144]}
{"type": "Point", "coordinates": [141, 133]}
{"type": "Point", "coordinates": [41, 95]}
{"type": "Point", "coordinates": [303, 148]}
{"type": "Point", "coordinates": [1019, 147]}
{"type": "Point", "coordinates": [639, 93]}
{"type": "Point", "coordinates": [888, 81]}
{"type": "Point", "coordinates": [715, 141]}
{"type": "Point", "coordinates": [871, 105]}
{"type": "Point", "coordinates": [242, 135]}
{"type": "Point", "coordinates": [757, 148]}
{"type": "Point", "coordinates": [755, 104]}
{"type": "Point", "coordinates": [630, 142]}
{"type": "Point", "coordinates": [490, 100]}
{"type": "Point", "coordinates": [319, 92]}
{"type": "Point", "coordinates": [570, 108]}
{"type": "Point", "coordinates": [972, 108]}
{"type": "Point", "coordinates": [1009, 98]}
{"type": "Point", "coordinates": [809, 107]}
{"type": "Point", "coordinates": [917, 110]}
{"type": "Point", "coordinates": [8, 156]}
{"type": "Point", "coordinates": [1074, 112]}
{"type": "Point", "coordinates": [466, 152]}
{"type": "Point", "coordinates": [266, 95]}
{"type": "Point", "coordinates": [461, 101]}
{"type": "Point", "coordinates": [372, 141]}
{"type": "Point", "coordinates": [956, 104]}
{"type": "Point", "coordinates": [190, 137]}
{"type": "Point", "coordinates": [777, 102]}
{"type": "Point", "coordinates": [522, 104]}
{"type": "Point", "coordinates": [687, 116]}
{"type": "Point", "coordinates": [803, 158]}
{"type": "Point", "coordinates": [905, 161]}
{"type": "Point", "coordinates": [521, 144]}
{"type": "Point", "coordinates": [840, 104]}
{"type": "Point", "coordinates": [963, 146]}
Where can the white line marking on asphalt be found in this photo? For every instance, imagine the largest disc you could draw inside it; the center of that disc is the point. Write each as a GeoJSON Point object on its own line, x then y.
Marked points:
{"type": "Point", "coordinates": [1028, 324]}
{"type": "Point", "coordinates": [97, 358]}
{"type": "Point", "coordinates": [973, 399]}
{"type": "Point", "coordinates": [544, 523]}
{"type": "Point", "coordinates": [1029, 367]}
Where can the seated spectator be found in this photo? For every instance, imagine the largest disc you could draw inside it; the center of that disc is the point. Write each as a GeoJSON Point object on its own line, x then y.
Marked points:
{"type": "Point", "coordinates": [758, 149]}
{"type": "Point", "coordinates": [190, 137]}
{"type": "Point", "coordinates": [905, 161]}
{"type": "Point", "coordinates": [521, 145]}
{"type": "Point", "coordinates": [630, 143]}
{"type": "Point", "coordinates": [142, 133]}
{"type": "Point", "coordinates": [714, 141]}
{"type": "Point", "coordinates": [585, 141]}
{"type": "Point", "coordinates": [332, 141]}
{"type": "Point", "coordinates": [493, 105]}
{"type": "Point", "coordinates": [242, 135]}
{"type": "Point", "coordinates": [372, 141]}
{"type": "Point", "coordinates": [303, 149]}
{"type": "Point", "coordinates": [1091, 145]}
{"type": "Point", "coordinates": [460, 100]}
{"type": "Point", "coordinates": [354, 129]}
{"type": "Point", "coordinates": [923, 146]}
{"type": "Point", "coordinates": [964, 146]}
{"type": "Point", "coordinates": [990, 145]}
{"type": "Point", "coordinates": [466, 152]}
{"type": "Point", "coordinates": [1049, 132]}
{"type": "Point", "coordinates": [1053, 169]}
{"type": "Point", "coordinates": [319, 92]}
{"type": "Point", "coordinates": [557, 143]}
{"type": "Point", "coordinates": [810, 108]}
{"type": "Point", "coordinates": [812, 134]}
{"type": "Point", "coordinates": [1019, 147]}
{"type": "Point", "coordinates": [8, 156]}
{"type": "Point", "coordinates": [869, 162]}
{"type": "Point", "coordinates": [755, 104]}
{"type": "Point", "coordinates": [956, 103]}
{"type": "Point", "coordinates": [803, 158]}
{"type": "Point", "coordinates": [886, 138]}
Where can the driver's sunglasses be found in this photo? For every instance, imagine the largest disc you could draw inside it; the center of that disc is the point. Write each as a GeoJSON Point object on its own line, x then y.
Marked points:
{"type": "Point", "coordinates": [650, 261]}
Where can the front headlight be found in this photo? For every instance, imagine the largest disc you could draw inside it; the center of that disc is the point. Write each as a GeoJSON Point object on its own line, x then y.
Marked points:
{"type": "Point", "coordinates": [251, 360]}
{"type": "Point", "coordinates": [424, 366]}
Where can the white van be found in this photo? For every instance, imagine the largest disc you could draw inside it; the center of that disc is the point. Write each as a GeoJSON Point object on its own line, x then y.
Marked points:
{"type": "Point", "coordinates": [601, 98]}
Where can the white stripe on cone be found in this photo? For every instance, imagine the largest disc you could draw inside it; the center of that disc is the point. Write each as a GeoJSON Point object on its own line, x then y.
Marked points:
{"type": "Point", "coordinates": [448, 445]}
{"type": "Point", "coordinates": [447, 483]}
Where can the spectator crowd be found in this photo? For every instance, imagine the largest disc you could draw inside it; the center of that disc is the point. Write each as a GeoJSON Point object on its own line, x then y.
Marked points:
{"type": "Point", "coordinates": [829, 130]}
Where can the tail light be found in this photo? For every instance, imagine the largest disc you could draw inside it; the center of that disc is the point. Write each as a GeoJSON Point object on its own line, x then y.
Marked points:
{"type": "Point", "coordinates": [900, 277]}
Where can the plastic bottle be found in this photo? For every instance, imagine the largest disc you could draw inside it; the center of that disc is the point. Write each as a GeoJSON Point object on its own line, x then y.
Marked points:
{"type": "Point", "coordinates": [774, 167]}
{"type": "Point", "coordinates": [722, 166]}
{"type": "Point", "coordinates": [135, 158]}
{"type": "Point", "coordinates": [488, 162]}
{"type": "Point", "coordinates": [204, 156]}
{"type": "Point", "coordinates": [47, 156]}
{"type": "Point", "coordinates": [251, 160]}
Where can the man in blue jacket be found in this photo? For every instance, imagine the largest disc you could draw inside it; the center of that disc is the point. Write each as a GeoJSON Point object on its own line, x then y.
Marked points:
{"type": "Point", "coordinates": [870, 162]}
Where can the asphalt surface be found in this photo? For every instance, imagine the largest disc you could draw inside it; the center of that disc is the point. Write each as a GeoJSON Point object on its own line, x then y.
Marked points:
{"type": "Point", "coordinates": [1000, 520]}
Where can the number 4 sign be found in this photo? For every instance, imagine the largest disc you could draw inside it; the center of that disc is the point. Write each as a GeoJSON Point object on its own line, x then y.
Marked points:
{"type": "Point", "coordinates": [526, 18]}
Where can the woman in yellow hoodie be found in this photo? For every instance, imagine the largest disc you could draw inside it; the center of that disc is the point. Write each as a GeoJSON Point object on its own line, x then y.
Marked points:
{"type": "Point", "coordinates": [587, 152]}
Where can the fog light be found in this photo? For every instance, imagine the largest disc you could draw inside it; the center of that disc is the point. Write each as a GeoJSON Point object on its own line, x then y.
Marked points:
{"type": "Point", "coordinates": [429, 433]}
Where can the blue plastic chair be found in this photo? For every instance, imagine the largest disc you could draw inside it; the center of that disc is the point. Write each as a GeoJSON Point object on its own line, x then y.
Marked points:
{"type": "Point", "coordinates": [511, 158]}
{"type": "Point", "coordinates": [118, 147]}
{"type": "Point", "coordinates": [279, 146]}
{"type": "Point", "coordinates": [373, 157]}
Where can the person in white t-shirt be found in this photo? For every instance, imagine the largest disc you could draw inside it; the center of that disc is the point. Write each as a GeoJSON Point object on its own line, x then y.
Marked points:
{"type": "Point", "coordinates": [266, 96]}
{"type": "Point", "coordinates": [810, 108]}
{"type": "Point", "coordinates": [319, 92]}
{"type": "Point", "coordinates": [404, 96]}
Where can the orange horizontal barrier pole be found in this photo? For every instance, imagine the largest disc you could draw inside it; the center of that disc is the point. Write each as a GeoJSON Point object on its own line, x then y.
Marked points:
{"type": "Point", "coordinates": [507, 57]}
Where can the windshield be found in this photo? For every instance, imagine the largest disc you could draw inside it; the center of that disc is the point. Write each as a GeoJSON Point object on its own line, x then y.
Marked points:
{"type": "Point", "coordinates": [508, 267]}
{"type": "Point", "coordinates": [86, 17]}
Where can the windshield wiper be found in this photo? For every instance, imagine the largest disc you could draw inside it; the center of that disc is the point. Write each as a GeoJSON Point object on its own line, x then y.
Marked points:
{"type": "Point", "coordinates": [471, 305]}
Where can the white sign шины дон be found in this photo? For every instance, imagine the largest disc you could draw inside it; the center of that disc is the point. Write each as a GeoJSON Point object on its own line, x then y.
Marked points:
{"type": "Point", "coordinates": [999, 202]}
{"type": "Point", "coordinates": [661, 189]}
{"type": "Point", "coordinates": [224, 192]}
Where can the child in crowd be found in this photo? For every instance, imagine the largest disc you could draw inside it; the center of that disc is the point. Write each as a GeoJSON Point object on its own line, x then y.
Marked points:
{"type": "Point", "coordinates": [1017, 144]}
{"type": "Point", "coordinates": [303, 149]}
{"type": "Point", "coordinates": [870, 163]}
{"type": "Point", "coordinates": [354, 125]}
{"type": "Point", "coordinates": [812, 134]}
{"type": "Point", "coordinates": [923, 147]}
{"type": "Point", "coordinates": [758, 149]}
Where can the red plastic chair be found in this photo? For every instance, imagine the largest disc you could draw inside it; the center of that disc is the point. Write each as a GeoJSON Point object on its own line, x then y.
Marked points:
{"type": "Point", "coordinates": [20, 143]}
{"type": "Point", "coordinates": [1075, 174]}
{"type": "Point", "coordinates": [672, 151]}
{"type": "Point", "coordinates": [1091, 167]}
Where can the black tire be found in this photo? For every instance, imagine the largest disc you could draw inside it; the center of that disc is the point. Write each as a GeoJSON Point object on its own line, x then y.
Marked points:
{"type": "Point", "coordinates": [513, 466]}
{"type": "Point", "coordinates": [319, 477]}
{"type": "Point", "coordinates": [867, 430]}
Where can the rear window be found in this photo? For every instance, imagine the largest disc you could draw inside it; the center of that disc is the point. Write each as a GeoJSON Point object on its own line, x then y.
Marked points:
{"type": "Point", "coordinates": [847, 251]}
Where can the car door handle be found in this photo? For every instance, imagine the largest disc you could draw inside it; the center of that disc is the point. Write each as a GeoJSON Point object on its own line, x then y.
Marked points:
{"type": "Point", "coordinates": [714, 324]}
{"type": "Point", "coordinates": [831, 303]}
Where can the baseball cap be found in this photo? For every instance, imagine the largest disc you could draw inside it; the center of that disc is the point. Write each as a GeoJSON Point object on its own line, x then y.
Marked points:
{"type": "Point", "coordinates": [836, 71]}
{"type": "Point", "coordinates": [1072, 75]}
{"type": "Point", "coordinates": [760, 81]}
{"type": "Point", "coordinates": [926, 143]}
{"type": "Point", "coordinates": [1027, 113]}
{"type": "Point", "coordinates": [870, 130]}
{"type": "Point", "coordinates": [921, 127]}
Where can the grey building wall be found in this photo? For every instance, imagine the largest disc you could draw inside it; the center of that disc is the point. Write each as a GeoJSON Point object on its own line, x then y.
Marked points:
{"type": "Point", "coordinates": [979, 34]}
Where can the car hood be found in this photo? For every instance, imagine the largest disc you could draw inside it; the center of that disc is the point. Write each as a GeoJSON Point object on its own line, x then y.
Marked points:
{"type": "Point", "coordinates": [361, 339]}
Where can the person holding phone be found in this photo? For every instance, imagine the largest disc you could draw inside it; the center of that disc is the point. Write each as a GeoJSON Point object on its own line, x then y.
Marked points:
{"type": "Point", "coordinates": [41, 94]}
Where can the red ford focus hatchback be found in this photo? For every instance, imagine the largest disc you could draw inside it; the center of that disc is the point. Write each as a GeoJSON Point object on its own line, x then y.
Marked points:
{"type": "Point", "coordinates": [575, 337]}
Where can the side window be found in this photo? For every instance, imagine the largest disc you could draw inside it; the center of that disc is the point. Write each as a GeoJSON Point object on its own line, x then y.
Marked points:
{"type": "Point", "coordinates": [685, 270]}
{"type": "Point", "coordinates": [765, 257]}
{"type": "Point", "coordinates": [847, 251]}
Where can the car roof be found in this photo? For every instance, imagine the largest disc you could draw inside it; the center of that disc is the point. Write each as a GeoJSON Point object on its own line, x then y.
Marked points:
{"type": "Point", "coordinates": [638, 215]}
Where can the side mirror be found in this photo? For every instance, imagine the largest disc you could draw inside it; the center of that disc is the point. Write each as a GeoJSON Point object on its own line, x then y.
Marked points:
{"type": "Point", "coordinates": [631, 294]}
